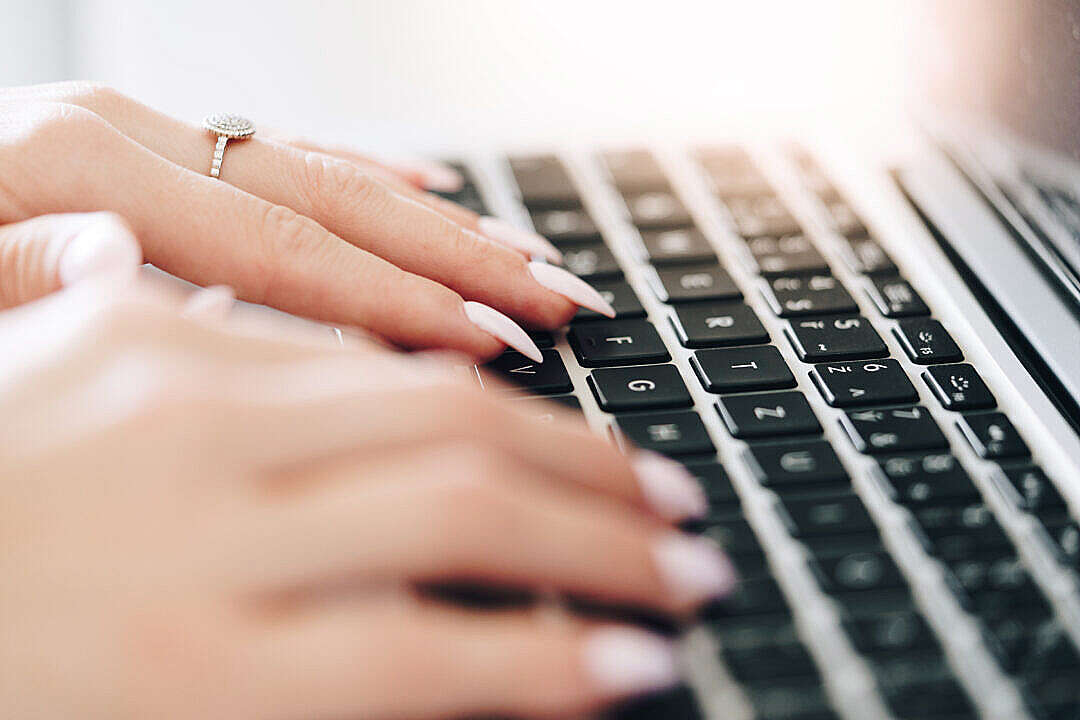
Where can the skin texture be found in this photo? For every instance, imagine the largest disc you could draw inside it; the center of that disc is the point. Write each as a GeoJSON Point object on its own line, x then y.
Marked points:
{"type": "Point", "coordinates": [209, 514]}
{"type": "Point", "coordinates": [320, 232]}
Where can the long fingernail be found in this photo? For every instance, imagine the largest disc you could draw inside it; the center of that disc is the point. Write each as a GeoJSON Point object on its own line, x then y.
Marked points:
{"type": "Point", "coordinates": [104, 247]}
{"type": "Point", "coordinates": [695, 568]}
{"type": "Point", "coordinates": [623, 661]}
{"type": "Point", "coordinates": [212, 303]}
{"type": "Point", "coordinates": [669, 487]}
{"type": "Point", "coordinates": [571, 287]}
{"type": "Point", "coordinates": [440, 178]}
{"type": "Point", "coordinates": [492, 321]}
{"type": "Point", "coordinates": [525, 241]}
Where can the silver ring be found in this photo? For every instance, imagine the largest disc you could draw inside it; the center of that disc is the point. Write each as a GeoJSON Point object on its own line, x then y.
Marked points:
{"type": "Point", "coordinates": [227, 127]}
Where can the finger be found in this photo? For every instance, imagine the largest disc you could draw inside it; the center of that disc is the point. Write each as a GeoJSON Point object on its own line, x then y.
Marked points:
{"type": "Point", "coordinates": [409, 182]}
{"type": "Point", "coordinates": [384, 659]}
{"type": "Point", "coordinates": [323, 409]}
{"type": "Point", "coordinates": [460, 513]}
{"type": "Point", "coordinates": [366, 212]}
{"type": "Point", "coordinates": [41, 255]}
{"type": "Point", "coordinates": [220, 235]}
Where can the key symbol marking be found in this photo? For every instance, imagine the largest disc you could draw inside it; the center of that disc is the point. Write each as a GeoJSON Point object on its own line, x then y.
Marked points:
{"type": "Point", "coordinates": [524, 370]}
{"type": "Point", "coordinates": [641, 385]}
{"type": "Point", "coordinates": [798, 462]}
{"type": "Point", "coordinates": [763, 412]}
{"type": "Point", "coordinates": [721, 321]}
{"type": "Point", "coordinates": [667, 432]}
{"type": "Point", "coordinates": [621, 340]}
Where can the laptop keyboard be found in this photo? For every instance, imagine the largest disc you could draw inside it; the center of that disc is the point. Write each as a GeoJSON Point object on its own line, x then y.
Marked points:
{"type": "Point", "coordinates": [928, 607]}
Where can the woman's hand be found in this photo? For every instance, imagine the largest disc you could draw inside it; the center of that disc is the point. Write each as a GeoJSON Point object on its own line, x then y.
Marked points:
{"type": "Point", "coordinates": [325, 234]}
{"type": "Point", "coordinates": [204, 519]}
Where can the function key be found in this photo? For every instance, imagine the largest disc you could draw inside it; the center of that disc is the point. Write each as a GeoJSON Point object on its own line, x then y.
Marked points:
{"type": "Point", "coordinates": [797, 463]}
{"type": "Point", "coordinates": [1037, 493]}
{"type": "Point", "coordinates": [841, 338]}
{"type": "Point", "coordinates": [873, 382]}
{"type": "Point", "coordinates": [635, 170]}
{"type": "Point", "coordinates": [672, 247]}
{"type": "Point", "coordinates": [926, 342]}
{"type": "Point", "coordinates": [773, 414]}
{"type": "Point", "coordinates": [716, 324]}
{"type": "Point", "coordinates": [619, 295]}
{"type": "Point", "coordinates": [616, 342]}
{"type": "Point", "coordinates": [798, 295]}
{"type": "Point", "coordinates": [865, 256]}
{"type": "Point", "coordinates": [893, 430]}
{"type": "Point", "coordinates": [544, 182]}
{"type": "Point", "coordinates": [546, 378]}
{"type": "Point", "coordinates": [657, 210]}
{"type": "Point", "coordinates": [761, 215]}
{"type": "Point", "coordinates": [785, 254]}
{"type": "Point", "coordinates": [694, 282]}
{"type": "Point", "coordinates": [574, 224]}
{"type": "Point", "coordinates": [590, 260]}
{"type": "Point", "coordinates": [639, 388]}
{"type": "Point", "coordinates": [844, 220]}
{"type": "Point", "coordinates": [959, 387]}
{"type": "Point", "coordinates": [993, 436]}
{"type": "Point", "coordinates": [732, 172]}
{"type": "Point", "coordinates": [742, 369]}
{"type": "Point", "coordinates": [894, 297]}
{"type": "Point", "coordinates": [670, 433]}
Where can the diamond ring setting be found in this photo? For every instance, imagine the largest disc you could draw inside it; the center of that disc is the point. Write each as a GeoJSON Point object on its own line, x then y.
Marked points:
{"type": "Point", "coordinates": [227, 127]}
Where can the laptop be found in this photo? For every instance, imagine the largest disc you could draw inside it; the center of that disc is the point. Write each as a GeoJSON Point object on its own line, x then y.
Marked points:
{"type": "Point", "coordinates": [869, 354]}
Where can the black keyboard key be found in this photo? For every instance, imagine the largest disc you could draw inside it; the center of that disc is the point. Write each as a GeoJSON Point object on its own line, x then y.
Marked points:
{"type": "Point", "coordinates": [639, 388]}
{"type": "Point", "coordinates": [928, 479]}
{"type": "Point", "coordinates": [786, 255]}
{"type": "Point", "coordinates": [947, 520]}
{"type": "Point", "coordinates": [866, 382]}
{"type": "Point", "coordinates": [758, 215]}
{"type": "Point", "coordinates": [840, 338]}
{"type": "Point", "coordinates": [926, 342]}
{"type": "Point", "coordinates": [619, 295]}
{"type": "Point", "coordinates": [989, 572]}
{"type": "Point", "coordinates": [959, 387]}
{"type": "Point", "coordinates": [790, 699]}
{"type": "Point", "coordinates": [542, 409]}
{"type": "Point", "coordinates": [865, 256]}
{"type": "Point", "coordinates": [993, 436]}
{"type": "Point", "coordinates": [858, 572]}
{"type": "Point", "coordinates": [468, 196]}
{"type": "Point", "coordinates": [732, 172]}
{"type": "Point", "coordinates": [544, 182]}
{"type": "Point", "coordinates": [1034, 646]}
{"type": "Point", "coordinates": [822, 546]}
{"type": "Point", "coordinates": [750, 596]}
{"type": "Point", "coordinates": [734, 535]}
{"type": "Point", "coordinates": [844, 220]}
{"type": "Point", "coordinates": [1037, 493]}
{"type": "Point", "coordinates": [694, 282]}
{"type": "Point", "coordinates": [714, 479]}
{"type": "Point", "coordinates": [717, 323]}
{"type": "Point", "coordinates": [670, 433]}
{"type": "Point", "coordinates": [678, 246]}
{"type": "Point", "coordinates": [590, 260]}
{"type": "Point", "coordinates": [728, 370]}
{"type": "Point", "coordinates": [891, 632]}
{"type": "Point", "coordinates": [616, 342]}
{"type": "Point", "coordinates": [677, 704]}
{"type": "Point", "coordinates": [783, 656]}
{"type": "Point", "coordinates": [893, 430]}
{"type": "Point", "coordinates": [635, 170]}
{"type": "Point", "coordinates": [768, 415]}
{"type": "Point", "coordinates": [546, 378]}
{"type": "Point", "coordinates": [657, 210]}
{"type": "Point", "coordinates": [812, 517]}
{"type": "Point", "coordinates": [894, 298]}
{"type": "Point", "coordinates": [1065, 535]}
{"type": "Point", "coordinates": [799, 295]}
{"type": "Point", "coordinates": [566, 225]}
{"type": "Point", "coordinates": [797, 463]}
{"type": "Point", "coordinates": [542, 338]}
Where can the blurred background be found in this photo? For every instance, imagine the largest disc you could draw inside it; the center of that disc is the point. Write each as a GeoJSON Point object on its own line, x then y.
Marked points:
{"type": "Point", "coordinates": [416, 75]}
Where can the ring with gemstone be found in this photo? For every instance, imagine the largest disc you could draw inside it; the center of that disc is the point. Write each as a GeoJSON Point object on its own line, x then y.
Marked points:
{"type": "Point", "coordinates": [227, 127]}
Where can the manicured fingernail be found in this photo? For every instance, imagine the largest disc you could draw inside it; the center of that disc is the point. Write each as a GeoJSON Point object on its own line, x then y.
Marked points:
{"type": "Point", "coordinates": [212, 303]}
{"type": "Point", "coordinates": [695, 568]}
{"type": "Point", "coordinates": [525, 241]}
{"type": "Point", "coordinates": [669, 487]}
{"type": "Point", "coordinates": [492, 321]}
{"type": "Point", "coordinates": [440, 178]}
{"type": "Point", "coordinates": [621, 661]}
{"type": "Point", "coordinates": [102, 248]}
{"type": "Point", "coordinates": [571, 287]}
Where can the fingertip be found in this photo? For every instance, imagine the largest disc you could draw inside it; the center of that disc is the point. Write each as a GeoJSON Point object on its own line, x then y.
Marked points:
{"type": "Point", "coordinates": [106, 246]}
{"type": "Point", "coordinates": [502, 328]}
{"type": "Point", "coordinates": [624, 661]}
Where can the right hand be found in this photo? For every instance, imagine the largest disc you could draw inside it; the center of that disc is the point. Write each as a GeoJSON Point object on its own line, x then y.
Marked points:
{"type": "Point", "coordinates": [203, 519]}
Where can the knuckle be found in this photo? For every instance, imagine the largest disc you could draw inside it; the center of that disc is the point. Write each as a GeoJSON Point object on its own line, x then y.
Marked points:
{"type": "Point", "coordinates": [92, 94]}
{"type": "Point", "coordinates": [281, 236]}
{"type": "Point", "coordinates": [329, 184]}
{"type": "Point", "coordinates": [48, 124]}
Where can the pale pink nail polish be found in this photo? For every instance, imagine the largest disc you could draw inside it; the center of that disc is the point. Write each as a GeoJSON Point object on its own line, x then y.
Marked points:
{"type": "Point", "coordinates": [672, 491]}
{"type": "Point", "coordinates": [104, 247]}
{"type": "Point", "coordinates": [695, 568]}
{"type": "Point", "coordinates": [571, 287]}
{"type": "Point", "coordinates": [624, 661]}
{"type": "Point", "coordinates": [494, 322]}
{"type": "Point", "coordinates": [212, 303]}
{"type": "Point", "coordinates": [524, 241]}
{"type": "Point", "coordinates": [440, 178]}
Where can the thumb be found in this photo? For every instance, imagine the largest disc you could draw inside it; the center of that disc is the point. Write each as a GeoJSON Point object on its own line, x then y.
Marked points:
{"type": "Point", "coordinates": [43, 254]}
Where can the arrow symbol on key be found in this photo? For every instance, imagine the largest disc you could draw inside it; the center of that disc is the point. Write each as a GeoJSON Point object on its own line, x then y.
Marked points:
{"type": "Point", "coordinates": [524, 370]}
{"type": "Point", "coordinates": [867, 415]}
{"type": "Point", "coordinates": [912, 414]}
{"type": "Point", "coordinates": [857, 392]}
